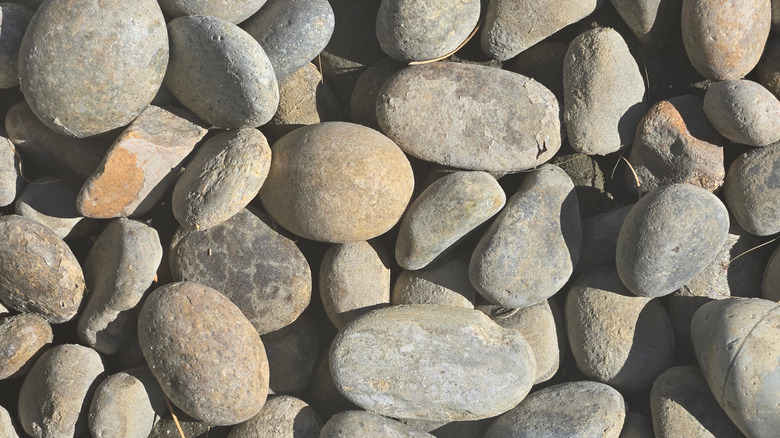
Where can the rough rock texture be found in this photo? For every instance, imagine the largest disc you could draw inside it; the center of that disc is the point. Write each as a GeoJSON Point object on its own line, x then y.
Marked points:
{"type": "Point", "coordinates": [234, 11]}
{"type": "Point", "coordinates": [292, 352]}
{"type": "Point", "coordinates": [353, 424]}
{"type": "Point", "coordinates": [281, 417]}
{"type": "Point", "coordinates": [768, 69]}
{"type": "Point", "coordinates": [408, 362]}
{"type": "Point", "coordinates": [362, 102]}
{"type": "Point", "coordinates": [7, 428]}
{"type": "Point", "coordinates": [531, 248]}
{"type": "Point", "coordinates": [23, 338]}
{"type": "Point", "coordinates": [654, 22]}
{"type": "Point", "coordinates": [10, 178]}
{"type": "Point", "coordinates": [600, 235]}
{"type": "Point", "coordinates": [51, 201]}
{"type": "Point", "coordinates": [752, 192]}
{"type": "Point", "coordinates": [15, 19]}
{"type": "Point", "coordinates": [125, 45]}
{"type": "Point", "coordinates": [543, 62]}
{"type": "Point", "coordinates": [213, 371]}
{"type": "Point", "coordinates": [744, 112]}
{"type": "Point", "coordinates": [480, 118]}
{"type": "Point", "coordinates": [445, 282]}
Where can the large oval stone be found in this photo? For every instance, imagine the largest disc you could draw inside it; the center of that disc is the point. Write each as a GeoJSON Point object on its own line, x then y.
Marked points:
{"type": "Point", "coordinates": [752, 191]}
{"type": "Point", "coordinates": [428, 362]}
{"type": "Point", "coordinates": [744, 112]}
{"type": "Point", "coordinates": [477, 117]}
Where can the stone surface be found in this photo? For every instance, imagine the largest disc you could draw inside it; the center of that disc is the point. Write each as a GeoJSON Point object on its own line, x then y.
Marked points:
{"type": "Point", "coordinates": [776, 16]}
{"type": "Point", "coordinates": [141, 164]}
{"type": "Point", "coordinates": [15, 19]}
{"type": "Point", "coordinates": [234, 11]}
{"type": "Point", "coordinates": [637, 426]}
{"type": "Point", "coordinates": [38, 272]}
{"type": "Point", "coordinates": [445, 282]}
{"type": "Point", "coordinates": [752, 193]}
{"type": "Point", "coordinates": [480, 118]}
{"type": "Point", "coordinates": [23, 338]}
{"type": "Point", "coordinates": [543, 62]}
{"type": "Point", "coordinates": [362, 102]}
{"type": "Point", "coordinates": [125, 45]}
{"type": "Point", "coordinates": [600, 235]}
{"type": "Point", "coordinates": [258, 269]}
{"type": "Point", "coordinates": [213, 371]}
{"type": "Point", "coordinates": [10, 178]}
{"type": "Point", "coordinates": [281, 417]}
{"type": "Point", "coordinates": [337, 182]}
{"type": "Point", "coordinates": [743, 111]}
{"type": "Point", "coordinates": [292, 352]}
{"type": "Point", "coordinates": [322, 393]}
{"type": "Point", "coordinates": [668, 237]}
{"type": "Point", "coordinates": [653, 22]}
{"type": "Point", "coordinates": [770, 285]}
{"type": "Point", "coordinates": [219, 72]}
{"type": "Point", "coordinates": [51, 201]}
{"type": "Point", "coordinates": [768, 69]}
{"type": "Point", "coordinates": [604, 92]}
{"type": "Point", "coordinates": [353, 424]}
{"type": "Point", "coordinates": [408, 362]}
{"type": "Point", "coordinates": [222, 177]}
{"type": "Point", "coordinates": [530, 249]}
{"type": "Point", "coordinates": [7, 428]}
{"type": "Point", "coordinates": [167, 428]}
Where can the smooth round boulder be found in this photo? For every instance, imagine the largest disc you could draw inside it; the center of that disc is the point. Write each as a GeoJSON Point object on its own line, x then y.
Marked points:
{"type": "Point", "coordinates": [445, 282]}
{"type": "Point", "coordinates": [752, 193]}
{"type": "Point", "coordinates": [743, 111]}
{"type": "Point", "coordinates": [234, 11]}
{"type": "Point", "coordinates": [125, 45]}
{"type": "Point", "coordinates": [337, 182]}
{"type": "Point", "coordinates": [668, 237]}
{"type": "Point", "coordinates": [282, 416]}
{"type": "Point", "coordinates": [292, 352]}
{"type": "Point", "coordinates": [214, 371]}
{"type": "Point", "coordinates": [15, 19]}
{"type": "Point", "coordinates": [51, 200]}
{"type": "Point", "coordinates": [356, 424]}
{"type": "Point", "coordinates": [23, 338]}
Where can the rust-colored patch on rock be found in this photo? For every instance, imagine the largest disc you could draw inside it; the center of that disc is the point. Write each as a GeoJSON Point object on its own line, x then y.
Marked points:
{"type": "Point", "coordinates": [115, 186]}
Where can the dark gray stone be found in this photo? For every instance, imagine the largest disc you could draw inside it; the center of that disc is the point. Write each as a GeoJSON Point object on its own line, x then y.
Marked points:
{"type": "Point", "coordinates": [768, 69]}
{"type": "Point", "coordinates": [744, 112]}
{"type": "Point", "coordinates": [281, 417]}
{"type": "Point", "coordinates": [752, 191]}
{"type": "Point", "coordinates": [362, 103]}
{"type": "Point", "coordinates": [600, 235]}
{"type": "Point", "coordinates": [23, 338]}
{"type": "Point", "coordinates": [445, 282]}
{"type": "Point", "coordinates": [51, 201]}
{"type": "Point", "coordinates": [322, 393]}
{"type": "Point", "coordinates": [637, 426]}
{"type": "Point", "coordinates": [354, 424]}
{"type": "Point", "coordinates": [543, 62]}
{"type": "Point", "coordinates": [292, 353]}
{"type": "Point", "coordinates": [770, 285]}
{"type": "Point", "coordinates": [234, 11]}
{"type": "Point", "coordinates": [15, 19]}
{"type": "Point", "coordinates": [654, 22]}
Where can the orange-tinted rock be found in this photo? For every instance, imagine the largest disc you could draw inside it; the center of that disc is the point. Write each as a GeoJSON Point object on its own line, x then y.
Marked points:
{"type": "Point", "coordinates": [22, 338]}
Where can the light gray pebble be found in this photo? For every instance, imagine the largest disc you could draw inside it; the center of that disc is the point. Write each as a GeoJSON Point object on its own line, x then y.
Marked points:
{"type": "Point", "coordinates": [23, 338]}
{"type": "Point", "coordinates": [282, 416]}
{"type": "Point", "coordinates": [445, 282]}
{"type": "Point", "coordinates": [11, 181]}
{"type": "Point", "coordinates": [359, 424]}
{"type": "Point", "coordinates": [292, 352]}
{"type": "Point", "coordinates": [744, 112]}
{"type": "Point", "coordinates": [751, 190]}
{"type": "Point", "coordinates": [51, 201]}
{"type": "Point", "coordinates": [234, 11]}
{"type": "Point", "coordinates": [15, 19]}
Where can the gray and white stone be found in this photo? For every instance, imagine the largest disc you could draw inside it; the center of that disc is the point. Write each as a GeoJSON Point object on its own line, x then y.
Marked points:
{"type": "Point", "coordinates": [743, 111]}
{"type": "Point", "coordinates": [357, 424]}
{"type": "Point", "coordinates": [282, 416]}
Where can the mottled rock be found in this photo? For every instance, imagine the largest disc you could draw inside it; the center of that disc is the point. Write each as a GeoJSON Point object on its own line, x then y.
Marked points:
{"type": "Point", "coordinates": [531, 248]}
{"type": "Point", "coordinates": [444, 283]}
{"type": "Point", "coordinates": [603, 92]}
{"type": "Point", "coordinates": [7, 428]}
{"type": "Point", "coordinates": [600, 235]}
{"type": "Point", "coordinates": [126, 47]}
{"type": "Point", "coordinates": [480, 118]}
{"type": "Point", "coordinates": [292, 352]}
{"type": "Point", "coordinates": [23, 338]}
{"type": "Point", "coordinates": [219, 72]}
{"type": "Point", "coordinates": [51, 201]}
{"type": "Point", "coordinates": [543, 62]}
{"type": "Point", "coordinates": [768, 69]}
{"type": "Point", "coordinates": [337, 182]}
{"type": "Point", "coordinates": [234, 11]}
{"type": "Point", "coordinates": [281, 417]}
{"type": "Point", "coordinates": [38, 272]}
{"type": "Point", "coordinates": [408, 362]}
{"type": "Point", "coordinates": [10, 177]}
{"type": "Point", "coordinates": [744, 112]}
{"type": "Point", "coordinates": [354, 424]}
{"type": "Point", "coordinates": [213, 371]}
{"type": "Point", "coordinates": [637, 426]}
{"type": "Point", "coordinates": [653, 22]}
{"type": "Point", "coordinates": [15, 19]}
{"type": "Point", "coordinates": [221, 179]}
{"type": "Point", "coordinates": [752, 192]}
{"type": "Point", "coordinates": [362, 103]}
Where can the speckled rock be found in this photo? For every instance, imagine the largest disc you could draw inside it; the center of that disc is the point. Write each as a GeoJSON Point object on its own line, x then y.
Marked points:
{"type": "Point", "coordinates": [445, 282]}
{"type": "Point", "coordinates": [752, 193]}
{"type": "Point", "coordinates": [10, 178]}
{"type": "Point", "coordinates": [668, 237]}
{"type": "Point", "coordinates": [126, 404]}
{"type": "Point", "coordinates": [15, 20]}
{"type": "Point", "coordinates": [51, 201]}
{"type": "Point", "coordinates": [23, 338]}
{"type": "Point", "coordinates": [292, 353]}
{"type": "Point", "coordinates": [234, 11]}
{"type": "Point", "coordinates": [219, 72]}
{"type": "Point", "coordinates": [126, 47]}
{"type": "Point", "coordinates": [38, 272]}
{"type": "Point", "coordinates": [7, 428]}
{"type": "Point", "coordinates": [281, 417]}
{"type": "Point", "coordinates": [354, 279]}
{"type": "Point", "coordinates": [221, 179]}
{"type": "Point", "coordinates": [600, 235]}
{"type": "Point", "coordinates": [337, 182]}
{"type": "Point", "coordinates": [675, 143]}
{"type": "Point", "coordinates": [770, 285]}
{"type": "Point", "coordinates": [568, 409]}
{"type": "Point", "coordinates": [213, 371]}
{"type": "Point", "coordinates": [510, 26]}
{"type": "Point", "coordinates": [261, 271]}
{"type": "Point", "coordinates": [362, 103]}
{"type": "Point", "coordinates": [543, 62]}
{"type": "Point", "coordinates": [120, 267]}
{"type": "Point", "coordinates": [768, 69]}
{"type": "Point", "coordinates": [653, 22]}
{"type": "Point", "coordinates": [354, 424]}
{"type": "Point", "coordinates": [637, 426]}
{"type": "Point", "coordinates": [141, 165]}
{"type": "Point", "coordinates": [322, 393]}
{"type": "Point", "coordinates": [603, 93]}
{"type": "Point", "coordinates": [56, 391]}
{"type": "Point", "coordinates": [737, 343]}
{"type": "Point", "coordinates": [480, 118]}
{"type": "Point", "coordinates": [292, 32]}
{"type": "Point", "coordinates": [683, 406]}
{"type": "Point", "coordinates": [408, 362]}
{"type": "Point", "coordinates": [531, 248]}
{"type": "Point", "coordinates": [744, 112]}
{"type": "Point", "coordinates": [724, 40]}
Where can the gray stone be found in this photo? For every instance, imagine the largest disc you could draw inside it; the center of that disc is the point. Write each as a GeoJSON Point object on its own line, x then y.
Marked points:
{"type": "Point", "coordinates": [167, 428]}
{"type": "Point", "coordinates": [125, 45]}
{"type": "Point", "coordinates": [592, 180]}
{"type": "Point", "coordinates": [322, 393]}
{"type": "Point", "coordinates": [15, 19]}
{"type": "Point", "coordinates": [462, 429]}
{"type": "Point", "coordinates": [443, 214]}
{"type": "Point", "coordinates": [222, 178]}
{"type": "Point", "coordinates": [281, 417]}
{"type": "Point", "coordinates": [668, 237]}
{"type": "Point", "coordinates": [10, 176]}
{"type": "Point", "coordinates": [409, 362]}
{"type": "Point", "coordinates": [219, 72]}
{"type": "Point", "coordinates": [234, 11]}
{"type": "Point", "coordinates": [768, 69]}
{"type": "Point", "coordinates": [214, 371]}
{"type": "Point", "coordinates": [603, 93]}
{"type": "Point", "coordinates": [770, 285]}
{"type": "Point", "coordinates": [23, 338]}
{"type": "Point", "coordinates": [261, 271]}
{"type": "Point", "coordinates": [292, 352]}
{"type": "Point", "coordinates": [637, 426]}
{"type": "Point", "coordinates": [543, 62]}
{"type": "Point", "coordinates": [744, 112]}
{"type": "Point", "coordinates": [752, 191]}
{"type": "Point", "coordinates": [531, 248]}
{"type": "Point", "coordinates": [56, 391]}
{"type": "Point", "coordinates": [479, 118]}
{"type": "Point", "coordinates": [600, 235]}
{"type": "Point", "coordinates": [362, 103]}
{"type": "Point", "coordinates": [587, 409]}
{"type": "Point", "coordinates": [358, 424]}
{"type": "Point", "coordinates": [653, 22]}
{"type": "Point", "coordinates": [51, 201]}
{"type": "Point", "coordinates": [7, 428]}
{"type": "Point", "coordinates": [444, 283]}
{"type": "Point", "coordinates": [292, 32]}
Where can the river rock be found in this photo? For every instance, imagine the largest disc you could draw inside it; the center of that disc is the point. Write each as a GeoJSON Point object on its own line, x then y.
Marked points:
{"type": "Point", "coordinates": [38, 272]}
{"type": "Point", "coordinates": [322, 393]}
{"type": "Point", "coordinates": [444, 283]}
{"type": "Point", "coordinates": [56, 391]}
{"type": "Point", "coordinates": [603, 93]}
{"type": "Point", "coordinates": [362, 103]}
{"type": "Point", "coordinates": [481, 118]}
{"type": "Point", "coordinates": [10, 176]}
{"type": "Point", "coordinates": [221, 179]}
{"type": "Point", "coordinates": [51, 201]}
{"type": "Point", "coordinates": [637, 426]}
{"type": "Point", "coordinates": [408, 362]}
{"type": "Point", "coordinates": [7, 428]}
{"type": "Point", "coordinates": [744, 112]}
{"type": "Point", "coordinates": [668, 237]}
{"type": "Point", "coordinates": [23, 338]}
{"type": "Point", "coordinates": [653, 22]}
{"type": "Point", "coordinates": [15, 19]}
{"type": "Point", "coordinates": [568, 409]}
{"type": "Point", "coordinates": [125, 45]}
{"type": "Point", "coordinates": [770, 285]}
{"type": "Point", "coordinates": [768, 69]}
{"type": "Point", "coordinates": [213, 371]}
{"type": "Point", "coordinates": [219, 72]}
{"type": "Point", "coordinates": [337, 182]}
{"type": "Point", "coordinates": [234, 11]}
{"type": "Point", "coordinates": [292, 32]}
{"type": "Point", "coordinates": [600, 235]}
{"type": "Point", "coordinates": [531, 248]}
{"type": "Point", "coordinates": [258, 269]}
{"type": "Point", "coordinates": [292, 353]}
{"type": "Point", "coordinates": [281, 417]}
{"type": "Point", "coordinates": [543, 62]}
{"type": "Point", "coordinates": [751, 191]}
{"type": "Point", "coordinates": [354, 424]}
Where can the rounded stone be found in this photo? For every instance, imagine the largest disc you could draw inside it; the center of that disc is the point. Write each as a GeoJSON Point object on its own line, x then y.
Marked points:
{"type": "Point", "coordinates": [743, 111]}
{"type": "Point", "coordinates": [219, 72]}
{"type": "Point", "coordinates": [600, 235]}
{"type": "Point", "coordinates": [23, 338]}
{"type": "Point", "coordinates": [637, 426]}
{"type": "Point", "coordinates": [322, 393]}
{"type": "Point", "coordinates": [770, 286]}
{"type": "Point", "coordinates": [10, 175]}
{"type": "Point", "coordinates": [354, 424]}
{"type": "Point", "coordinates": [222, 178]}
{"type": "Point", "coordinates": [38, 272]}
{"type": "Point", "coordinates": [281, 417]}
{"type": "Point", "coordinates": [214, 371]}
{"type": "Point", "coordinates": [752, 192]}
{"type": "Point", "coordinates": [530, 250]}
{"type": "Point", "coordinates": [444, 283]}
{"type": "Point", "coordinates": [51, 201]}
{"type": "Point", "coordinates": [125, 45]}
{"type": "Point", "coordinates": [768, 69]}
{"type": "Point", "coordinates": [292, 352]}
{"type": "Point", "coordinates": [668, 237]}
{"type": "Point", "coordinates": [15, 19]}
{"type": "Point", "coordinates": [408, 362]}
{"type": "Point", "coordinates": [56, 391]}
{"type": "Point", "coordinates": [543, 62]}
{"type": "Point", "coordinates": [234, 11]}
{"type": "Point", "coordinates": [362, 102]}
{"type": "Point", "coordinates": [653, 22]}
{"type": "Point", "coordinates": [337, 182]}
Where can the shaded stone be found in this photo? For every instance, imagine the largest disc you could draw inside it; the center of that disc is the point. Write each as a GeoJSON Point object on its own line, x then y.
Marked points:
{"type": "Point", "coordinates": [590, 182]}
{"type": "Point", "coordinates": [462, 429]}
{"type": "Point", "coordinates": [10, 177]}
{"type": "Point", "coordinates": [281, 417]}
{"type": "Point", "coordinates": [751, 190]}
{"type": "Point", "coordinates": [322, 394]}
{"type": "Point", "coordinates": [292, 353]}
{"type": "Point", "coordinates": [637, 426]}
{"type": "Point", "coordinates": [362, 103]}
{"type": "Point", "coordinates": [51, 201]}
{"type": "Point", "coordinates": [770, 285]}
{"type": "Point", "coordinates": [445, 283]}
{"type": "Point", "coordinates": [167, 428]}
{"type": "Point", "coordinates": [234, 11]}
{"type": "Point", "coordinates": [353, 424]}
{"type": "Point", "coordinates": [15, 19]}
{"type": "Point", "coordinates": [743, 111]}
{"type": "Point", "coordinates": [23, 338]}
{"type": "Point", "coordinates": [768, 69]}
{"type": "Point", "coordinates": [653, 22]}
{"type": "Point", "coordinates": [543, 62]}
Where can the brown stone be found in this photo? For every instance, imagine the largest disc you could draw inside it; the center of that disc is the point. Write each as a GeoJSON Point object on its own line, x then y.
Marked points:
{"type": "Point", "coordinates": [23, 338]}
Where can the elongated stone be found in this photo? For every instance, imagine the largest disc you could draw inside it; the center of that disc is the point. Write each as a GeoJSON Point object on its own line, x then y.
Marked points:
{"type": "Point", "coordinates": [751, 191]}
{"type": "Point", "coordinates": [23, 338]}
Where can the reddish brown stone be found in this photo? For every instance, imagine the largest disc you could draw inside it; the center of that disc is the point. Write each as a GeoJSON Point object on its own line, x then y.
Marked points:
{"type": "Point", "coordinates": [22, 338]}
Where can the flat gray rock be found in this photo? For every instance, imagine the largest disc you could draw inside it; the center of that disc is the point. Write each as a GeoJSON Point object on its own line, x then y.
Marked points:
{"type": "Point", "coordinates": [282, 416]}
{"type": "Point", "coordinates": [23, 337]}
{"type": "Point", "coordinates": [234, 11]}
{"type": "Point", "coordinates": [292, 352]}
{"type": "Point", "coordinates": [743, 111]}
{"type": "Point", "coordinates": [51, 201]}
{"type": "Point", "coordinates": [15, 19]}
{"type": "Point", "coordinates": [751, 190]}
{"type": "Point", "coordinates": [356, 424]}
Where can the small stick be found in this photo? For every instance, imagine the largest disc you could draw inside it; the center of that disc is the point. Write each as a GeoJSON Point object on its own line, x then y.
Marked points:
{"type": "Point", "coordinates": [173, 414]}
{"type": "Point", "coordinates": [751, 249]}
